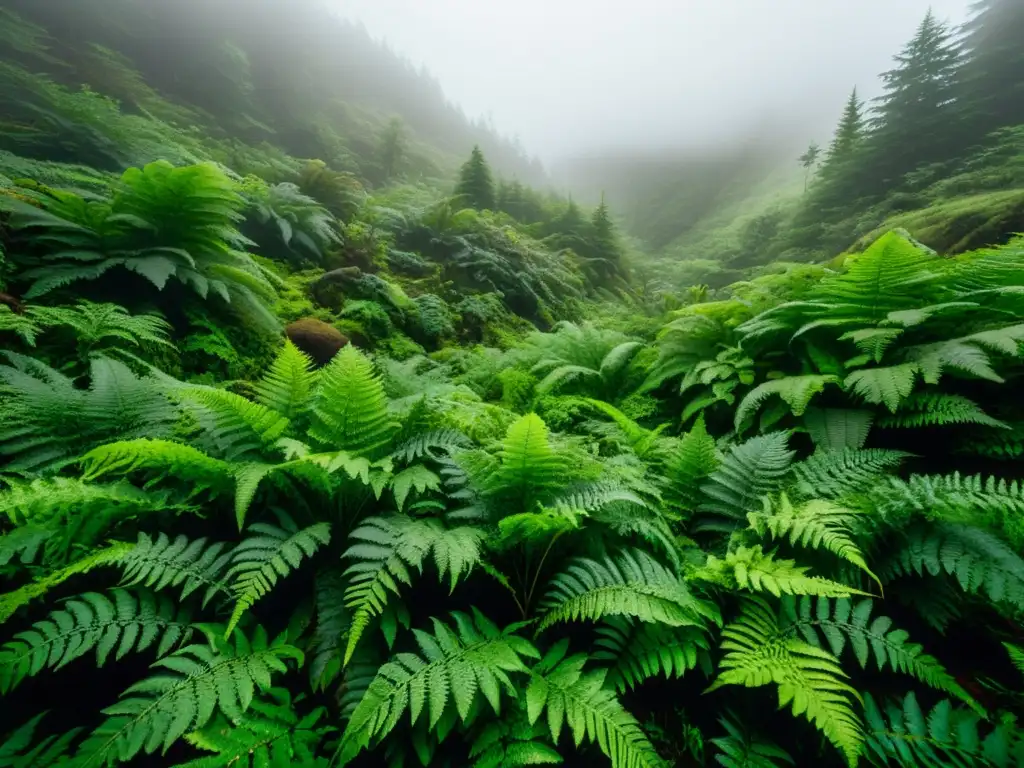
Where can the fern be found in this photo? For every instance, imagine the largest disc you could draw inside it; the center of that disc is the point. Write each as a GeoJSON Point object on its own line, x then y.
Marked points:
{"type": "Point", "coordinates": [580, 702]}
{"type": "Point", "coordinates": [751, 569]}
{"type": "Point", "coordinates": [162, 458]}
{"type": "Point", "coordinates": [512, 744]}
{"type": "Point", "coordinates": [837, 623]}
{"type": "Point", "coordinates": [636, 651]}
{"type": "Point", "coordinates": [350, 410]}
{"type": "Point", "coordinates": [259, 561]}
{"type": "Point", "coordinates": [694, 461]}
{"type": "Point", "coordinates": [632, 584]}
{"type": "Point", "coordinates": [904, 735]}
{"type": "Point", "coordinates": [454, 666]}
{"type": "Point", "coordinates": [979, 561]}
{"type": "Point", "coordinates": [163, 563]}
{"type": "Point", "coordinates": [428, 444]}
{"type": "Point", "coordinates": [387, 549]}
{"type": "Point", "coordinates": [832, 474]}
{"type": "Point", "coordinates": [50, 752]}
{"type": "Point", "coordinates": [809, 679]}
{"type": "Point", "coordinates": [929, 409]}
{"type": "Point", "coordinates": [795, 391]}
{"type": "Point", "coordinates": [530, 467]}
{"type": "Point", "coordinates": [740, 749]}
{"type": "Point", "coordinates": [836, 429]}
{"type": "Point", "coordinates": [884, 386]}
{"type": "Point", "coordinates": [287, 386]}
{"type": "Point", "coordinates": [270, 734]}
{"type": "Point", "coordinates": [954, 498]}
{"type": "Point", "coordinates": [125, 620]}
{"type": "Point", "coordinates": [750, 470]}
{"type": "Point", "coordinates": [816, 524]}
{"type": "Point", "coordinates": [232, 426]}
{"type": "Point", "coordinates": [190, 686]}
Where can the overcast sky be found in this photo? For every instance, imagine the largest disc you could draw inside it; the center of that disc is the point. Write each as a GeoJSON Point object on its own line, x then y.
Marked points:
{"type": "Point", "coordinates": [571, 77]}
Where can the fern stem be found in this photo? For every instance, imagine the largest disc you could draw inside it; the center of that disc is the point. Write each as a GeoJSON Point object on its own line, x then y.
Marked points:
{"type": "Point", "coordinates": [536, 575]}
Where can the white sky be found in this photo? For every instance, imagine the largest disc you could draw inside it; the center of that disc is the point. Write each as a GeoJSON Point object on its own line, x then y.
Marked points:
{"type": "Point", "coordinates": [573, 76]}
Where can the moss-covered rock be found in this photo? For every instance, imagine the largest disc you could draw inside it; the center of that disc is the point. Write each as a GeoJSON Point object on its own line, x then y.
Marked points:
{"type": "Point", "coordinates": [316, 338]}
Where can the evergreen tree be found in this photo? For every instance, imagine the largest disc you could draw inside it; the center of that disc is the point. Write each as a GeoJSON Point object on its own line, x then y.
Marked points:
{"type": "Point", "coordinates": [392, 148]}
{"type": "Point", "coordinates": [476, 184]}
{"type": "Point", "coordinates": [850, 131]}
{"type": "Point", "coordinates": [990, 84]}
{"type": "Point", "coordinates": [911, 125]}
{"type": "Point", "coordinates": [603, 250]}
{"type": "Point", "coordinates": [808, 160]}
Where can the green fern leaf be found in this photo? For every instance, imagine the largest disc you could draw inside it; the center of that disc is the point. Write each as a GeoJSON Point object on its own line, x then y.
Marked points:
{"type": "Point", "coordinates": [884, 386]}
{"type": "Point", "coordinates": [127, 621]}
{"type": "Point", "coordinates": [232, 426]}
{"type": "Point", "coordinates": [633, 584]}
{"type": "Point", "coordinates": [579, 701]}
{"type": "Point", "coordinates": [387, 549]}
{"type": "Point", "coordinates": [928, 409]}
{"type": "Point", "coordinates": [454, 666]}
{"type": "Point", "coordinates": [637, 651]}
{"type": "Point", "coordinates": [694, 461]}
{"type": "Point", "coordinates": [808, 678]}
{"type": "Point", "coordinates": [530, 467]}
{"type": "Point", "coordinates": [162, 564]}
{"type": "Point", "coordinates": [795, 391]}
{"type": "Point", "coordinates": [350, 409]}
{"type": "Point", "coordinates": [836, 429]}
{"type": "Point", "coordinates": [190, 686]}
{"type": "Point", "coordinates": [750, 470]}
{"type": "Point", "coordinates": [287, 387]}
{"type": "Point", "coordinates": [838, 624]}
{"type": "Point", "coordinates": [832, 474]}
{"type": "Point", "coordinates": [740, 749]}
{"type": "Point", "coordinates": [751, 569]}
{"type": "Point", "coordinates": [903, 735]}
{"type": "Point", "coordinates": [416, 476]}
{"type": "Point", "coordinates": [259, 561]}
{"type": "Point", "coordinates": [815, 524]}
{"type": "Point", "coordinates": [163, 459]}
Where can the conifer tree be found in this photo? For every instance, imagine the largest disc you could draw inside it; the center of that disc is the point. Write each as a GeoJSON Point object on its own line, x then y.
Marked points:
{"type": "Point", "coordinates": [911, 125]}
{"type": "Point", "coordinates": [850, 130]}
{"type": "Point", "coordinates": [604, 249]}
{"type": "Point", "coordinates": [808, 160]}
{"type": "Point", "coordinates": [392, 148]}
{"type": "Point", "coordinates": [990, 83]}
{"type": "Point", "coordinates": [476, 184]}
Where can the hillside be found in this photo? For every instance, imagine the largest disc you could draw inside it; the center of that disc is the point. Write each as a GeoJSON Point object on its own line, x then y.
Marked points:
{"type": "Point", "coordinates": [329, 435]}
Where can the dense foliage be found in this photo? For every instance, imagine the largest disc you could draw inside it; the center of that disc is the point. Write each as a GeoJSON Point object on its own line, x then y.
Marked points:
{"type": "Point", "coordinates": [305, 467]}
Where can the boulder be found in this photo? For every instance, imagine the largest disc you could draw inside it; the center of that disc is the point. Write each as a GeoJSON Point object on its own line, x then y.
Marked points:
{"type": "Point", "coordinates": [316, 338]}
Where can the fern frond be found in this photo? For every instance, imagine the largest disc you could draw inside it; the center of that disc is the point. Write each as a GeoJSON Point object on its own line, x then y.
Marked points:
{"type": "Point", "coordinates": [694, 461]}
{"type": "Point", "coordinates": [92, 621]}
{"type": "Point", "coordinates": [979, 561]}
{"type": "Point", "coordinates": [259, 561]}
{"type": "Point", "coordinates": [740, 749]}
{"type": "Point", "coordinates": [750, 470]}
{"type": "Point", "coordinates": [350, 409]}
{"type": "Point", "coordinates": [162, 564]}
{"type": "Point", "coordinates": [454, 666]}
{"type": "Point", "coordinates": [232, 426]}
{"type": "Point", "coordinates": [815, 524]}
{"type": "Point", "coordinates": [832, 474]}
{"type": "Point", "coordinates": [428, 444]}
{"type": "Point", "coordinates": [808, 678]}
{"type": "Point", "coordinates": [270, 734]}
{"type": "Point", "coordinates": [931, 409]}
{"type": "Point", "coordinates": [65, 498]}
{"type": "Point", "coordinates": [833, 624]}
{"type": "Point", "coordinates": [795, 391]}
{"type": "Point", "coordinates": [51, 752]}
{"type": "Point", "coordinates": [954, 498]}
{"type": "Point", "coordinates": [387, 549]}
{"type": "Point", "coordinates": [530, 467]}
{"type": "Point", "coordinates": [836, 429]}
{"type": "Point", "coordinates": [632, 584]}
{"type": "Point", "coordinates": [512, 743]}
{"type": "Point", "coordinates": [416, 477]}
{"type": "Point", "coordinates": [163, 459]}
{"type": "Point", "coordinates": [636, 651]}
{"type": "Point", "coordinates": [751, 569]}
{"type": "Point", "coordinates": [581, 702]}
{"type": "Point", "coordinates": [884, 386]}
{"type": "Point", "coordinates": [904, 735]}
{"type": "Point", "coordinates": [189, 686]}
{"type": "Point", "coordinates": [287, 386]}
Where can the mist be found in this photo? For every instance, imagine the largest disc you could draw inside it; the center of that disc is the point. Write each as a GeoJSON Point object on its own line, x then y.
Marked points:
{"type": "Point", "coordinates": [578, 78]}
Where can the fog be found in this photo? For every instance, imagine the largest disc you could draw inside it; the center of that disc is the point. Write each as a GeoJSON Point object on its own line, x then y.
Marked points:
{"type": "Point", "coordinates": [573, 78]}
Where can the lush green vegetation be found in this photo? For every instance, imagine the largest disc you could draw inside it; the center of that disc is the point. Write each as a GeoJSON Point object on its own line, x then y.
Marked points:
{"type": "Point", "coordinates": [316, 449]}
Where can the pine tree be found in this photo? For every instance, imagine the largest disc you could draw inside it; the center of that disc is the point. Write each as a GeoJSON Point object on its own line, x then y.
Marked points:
{"type": "Point", "coordinates": [392, 148]}
{"type": "Point", "coordinates": [808, 160]}
{"type": "Point", "coordinates": [850, 131]}
{"type": "Point", "coordinates": [476, 184]}
{"type": "Point", "coordinates": [603, 248]}
{"type": "Point", "coordinates": [911, 125]}
{"type": "Point", "coordinates": [990, 84]}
